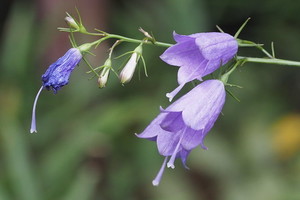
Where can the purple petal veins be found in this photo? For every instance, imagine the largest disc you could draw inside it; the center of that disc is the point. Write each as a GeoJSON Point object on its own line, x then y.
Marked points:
{"type": "Point", "coordinates": [210, 98]}
{"type": "Point", "coordinates": [198, 55]}
{"type": "Point", "coordinates": [183, 125]}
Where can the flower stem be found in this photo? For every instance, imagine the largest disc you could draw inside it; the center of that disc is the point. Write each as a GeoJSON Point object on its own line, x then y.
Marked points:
{"type": "Point", "coordinates": [275, 61]}
{"type": "Point", "coordinates": [126, 39]}
{"type": "Point", "coordinates": [224, 77]}
{"type": "Point", "coordinates": [269, 60]}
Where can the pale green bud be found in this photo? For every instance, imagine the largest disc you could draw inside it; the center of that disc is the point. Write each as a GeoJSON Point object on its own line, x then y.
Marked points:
{"type": "Point", "coordinates": [85, 47]}
{"type": "Point", "coordinates": [71, 22]}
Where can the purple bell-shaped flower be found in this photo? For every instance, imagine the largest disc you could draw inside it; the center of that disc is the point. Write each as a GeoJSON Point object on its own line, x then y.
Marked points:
{"type": "Point", "coordinates": [198, 55]}
{"type": "Point", "coordinates": [183, 125]}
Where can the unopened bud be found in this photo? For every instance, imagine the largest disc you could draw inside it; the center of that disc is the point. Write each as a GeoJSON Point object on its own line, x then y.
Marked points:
{"type": "Point", "coordinates": [85, 47]}
{"type": "Point", "coordinates": [71, 22]}
{"type": "Point", "coordinates": [102, 80]}
{"type": "Point", "coordinates": [128, 70]}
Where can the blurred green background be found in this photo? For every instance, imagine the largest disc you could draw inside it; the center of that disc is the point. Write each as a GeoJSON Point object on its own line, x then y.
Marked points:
{"type": "Point", "coordinates": [85, 148]}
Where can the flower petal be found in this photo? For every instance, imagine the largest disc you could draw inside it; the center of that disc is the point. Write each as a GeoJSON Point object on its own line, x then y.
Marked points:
{"type": "Point", "coordinates": [173, 122]}
{"type": "Point", "coordinates": [167, 142]}
{"type": "Point", "coordinates": [217, 46]}
{"type": "Point", "coordinates": [183, 155]}
{"type": "Point", "coordinates": [204, 114]}
{"type": "Point", "coordinates": [207, 99]}
{"type": "Point", "coordinates": [191, 72]}
{"type": "Point", "coordinates": [181, 38]}
{"type": "Point", "coordinates": [183, 54]}
{"type": "Point", "coordinates": [212, 66]}
{"type": "Point", "coordinates": [192, 138]}
{"type": "Point", "coordinates": [153, 129]}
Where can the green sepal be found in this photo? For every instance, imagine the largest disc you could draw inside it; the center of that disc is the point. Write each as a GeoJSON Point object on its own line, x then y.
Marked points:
{"type": "Point", "coordinates": [236, 35]}
{"type": "Point", "coordinates": [232, 95]}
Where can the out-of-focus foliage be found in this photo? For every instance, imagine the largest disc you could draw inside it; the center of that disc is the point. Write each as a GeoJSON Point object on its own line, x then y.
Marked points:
{"type": "Point", "coordinates": [85, 147]}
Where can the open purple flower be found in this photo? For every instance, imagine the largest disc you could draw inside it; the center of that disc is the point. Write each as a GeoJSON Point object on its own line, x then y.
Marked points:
{"type": "Point", "coordinates": [198, 55]}
{"type": "Point", "coordinates": [56, 76]}
{"type": "Point", "coordinates": [183, 125]}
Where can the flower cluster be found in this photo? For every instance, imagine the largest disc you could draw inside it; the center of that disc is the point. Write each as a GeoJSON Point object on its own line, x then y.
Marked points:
{"type": "Point", "coordinates": [58, 74]}
{"type": "Point", "coordinates": [184, 124]}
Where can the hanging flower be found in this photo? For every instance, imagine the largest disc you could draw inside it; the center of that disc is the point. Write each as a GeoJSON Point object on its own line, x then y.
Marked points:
{"type": "Point", "coordinates": [183, 125]}
{"type": "Point", "coordinates": [57, 75]}
{"type": "Point", "coordinates": [198, 55]}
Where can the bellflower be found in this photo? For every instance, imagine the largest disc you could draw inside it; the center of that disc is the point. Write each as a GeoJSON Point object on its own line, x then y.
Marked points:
{"type": "Point", "coordinates": [198, 55]}
{"type": "Point", "coordinates": [183, 125]}
{"type": "Point", "coordinates": [56, 76]}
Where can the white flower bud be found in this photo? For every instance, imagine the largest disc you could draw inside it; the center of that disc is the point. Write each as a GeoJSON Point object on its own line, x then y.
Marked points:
{"type": "Point", "coordinates": [71, 22]}
{"type": "Point", "coordinates": [128, 70]}
{"type": "Point", "coordinates": [102, 80]}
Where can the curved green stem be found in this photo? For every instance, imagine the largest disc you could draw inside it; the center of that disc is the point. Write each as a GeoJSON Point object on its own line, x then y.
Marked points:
{"type": "Point", "coordinates": [125, 39]}
{"type": "Point", "coordinates": [90, 66]}
{"type": "Point", "coordinates": [225, 76]}
{"type": "Point", "coordinates": [93, 34]}
{"type": "Point", "coordinates": [97, 42]}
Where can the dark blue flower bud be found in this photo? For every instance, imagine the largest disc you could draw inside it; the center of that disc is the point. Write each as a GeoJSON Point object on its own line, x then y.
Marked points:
{"type": "Point", "coordinates": [58, 74]}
